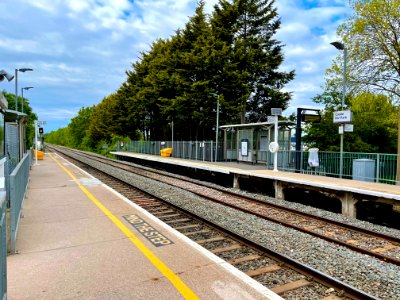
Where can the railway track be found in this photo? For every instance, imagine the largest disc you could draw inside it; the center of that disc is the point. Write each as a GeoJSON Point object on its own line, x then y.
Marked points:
{"type": "Point", "coordinates": [280, 273]}
{"type": "Point", "coordinates": [375, 244]}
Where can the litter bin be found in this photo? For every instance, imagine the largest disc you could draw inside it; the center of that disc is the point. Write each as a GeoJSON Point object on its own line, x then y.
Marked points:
{"type": "Point", "coordinates": [364, 169]}
{"type": "Point", "coordinates": [166, 152]}
{"type": "Point", "coordinates": [40, 155]}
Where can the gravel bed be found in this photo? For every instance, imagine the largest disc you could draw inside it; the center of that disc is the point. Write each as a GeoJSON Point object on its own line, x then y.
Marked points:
{"type": "Point", "coordinates": [312, 291]}
{"type": "Point", "coordinates": [191, 229]}
{"type": "Point", "coordinates": [237, 253]}
{"type": "Point", "coordinates": [204, 236]}
{"type": "Point", "coordinates": [375, 277]}
{"type": "Point", "coordinates": [279, 277]}
{"type": "Point", "coordinates": [218, 244]}
{"type": "Point", "coordinates": [255, 264]}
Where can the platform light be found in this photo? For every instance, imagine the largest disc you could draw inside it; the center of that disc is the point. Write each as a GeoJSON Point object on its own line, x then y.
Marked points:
{"type": "Point", "coordinates": [341, 46]}
{"type": "Point", "coordinates": [16, 84]}
{"type": "Point", "coordinates": [4, 74]}
{"type": "Point", "coordinates": [22, 94]}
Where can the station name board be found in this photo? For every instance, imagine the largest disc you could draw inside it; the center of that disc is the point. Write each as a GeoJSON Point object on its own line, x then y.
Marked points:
{"type": "Point", "coordinates": [341, 117]}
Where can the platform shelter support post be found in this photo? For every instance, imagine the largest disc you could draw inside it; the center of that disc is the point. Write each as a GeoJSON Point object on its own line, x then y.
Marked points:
{"type": "Point", "coordinates": [349, 205]}
{"type": "Point", "coordinates": [278, 185]}
{"type": "Point", "coordinates": [236, 184]}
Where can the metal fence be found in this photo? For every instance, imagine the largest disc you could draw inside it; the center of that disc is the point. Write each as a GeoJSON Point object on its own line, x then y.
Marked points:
{"type": "Point", "coordinates": [374, 167]}
{"type": "Point", "coordinates": [3, 245]}
{"type": "Point", "coordinates": [196, 150]}
{"type": "Point", "coordinates": [17, 189]}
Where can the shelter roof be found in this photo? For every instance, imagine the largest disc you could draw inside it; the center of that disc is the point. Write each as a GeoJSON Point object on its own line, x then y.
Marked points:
{"type": "Point", "coordinates": [13, 115]}
{"type": "Point", "coordinates": [284, 123]}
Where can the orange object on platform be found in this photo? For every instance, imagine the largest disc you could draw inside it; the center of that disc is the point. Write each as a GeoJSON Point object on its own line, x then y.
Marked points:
{"type": "Point", "coordinates": [40, 155]}
{"type": "Point", "coordinates": [166, 152]}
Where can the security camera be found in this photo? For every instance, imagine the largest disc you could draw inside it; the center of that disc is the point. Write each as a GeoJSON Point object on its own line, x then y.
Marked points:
{"type": "Point", "coordinates": [6, 75]}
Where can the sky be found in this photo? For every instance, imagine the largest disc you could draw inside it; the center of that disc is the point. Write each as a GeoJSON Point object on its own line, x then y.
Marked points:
{"type": "Point", "coordinates": [79, 50]}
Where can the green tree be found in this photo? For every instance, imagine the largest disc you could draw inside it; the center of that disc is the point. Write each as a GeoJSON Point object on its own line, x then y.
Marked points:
{"type": "Point", "coordinates": [102, 121]}
{"type": "Point", "coordinates": [31, 116]}
{"type": "Point", "coordinates": [195, 104]}
{"type": "Point", "coordinates": [79, 128]}
{"type": "Point", "coordinates": [375, 122]}
{"type": "Point", "coordinates": [374, 119]}
{"type": "Point", "coordinates": [372, 36]}
{"type": "Point", "coordinates": [60, 136]}
{"type": "Point", "coordinates": [258, 56]}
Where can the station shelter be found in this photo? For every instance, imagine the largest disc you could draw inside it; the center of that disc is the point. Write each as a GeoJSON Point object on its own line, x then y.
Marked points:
{"type": "Point", "coordinates": [249, 143]}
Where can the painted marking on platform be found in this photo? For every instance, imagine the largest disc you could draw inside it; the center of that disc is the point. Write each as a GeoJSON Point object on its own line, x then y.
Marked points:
{"type": "Point", "coordinates": [89, 181]}
{"type": "Point", "coordinates": [155, 237]}
{"type": "Point", "coordinates": [180, 286]}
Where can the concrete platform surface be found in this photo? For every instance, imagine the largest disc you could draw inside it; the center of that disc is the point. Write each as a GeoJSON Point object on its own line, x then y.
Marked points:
{"type": "Point", "coordinates": [76, 240]}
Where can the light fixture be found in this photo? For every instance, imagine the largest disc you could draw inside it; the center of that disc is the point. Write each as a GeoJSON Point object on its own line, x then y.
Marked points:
{"type": "Point", "coordinates": [4, 74]}
{"type": "Point", "coordinates": [22, 93]}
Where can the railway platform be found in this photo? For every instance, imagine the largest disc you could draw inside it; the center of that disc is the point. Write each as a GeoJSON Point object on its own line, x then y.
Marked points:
{"type": "Point", "coordinates": [79, 239]}
{"type": "Point", "coordinates": [348, 192]}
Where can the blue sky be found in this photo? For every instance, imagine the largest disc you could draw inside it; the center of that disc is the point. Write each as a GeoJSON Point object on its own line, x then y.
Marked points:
{"type": "Point", "coordinates": [80, 49]}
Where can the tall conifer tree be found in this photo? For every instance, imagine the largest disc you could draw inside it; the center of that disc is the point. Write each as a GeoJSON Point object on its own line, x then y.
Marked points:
{"type": "Point", "coordinates": [255, 56]}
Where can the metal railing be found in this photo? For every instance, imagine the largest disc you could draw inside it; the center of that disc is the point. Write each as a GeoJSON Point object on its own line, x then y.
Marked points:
{"type": "Point", "coordinates": [196, 150]}
{"type": "Point", "coordinates": [18, 186]}
{"type": "Point", "coordinates": [3, 245]}
{"type": "Point", "coordinates": [374, 167]}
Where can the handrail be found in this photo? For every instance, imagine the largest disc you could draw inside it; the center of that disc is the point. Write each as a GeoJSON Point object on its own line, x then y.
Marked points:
{"type": "Point", "coordinates": [18, 186]}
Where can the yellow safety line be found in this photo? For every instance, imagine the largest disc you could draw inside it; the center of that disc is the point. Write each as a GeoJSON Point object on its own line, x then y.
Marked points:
{"type": "Point", "coordinates": [182, 288]}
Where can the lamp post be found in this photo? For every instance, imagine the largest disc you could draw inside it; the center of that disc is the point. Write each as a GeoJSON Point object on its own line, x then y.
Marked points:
{"type": "Point", "coordinates": [22, 94]}
{"type": "Point", "coordinates": [340, 46]}
{"type": "Point", "coordinates": [216, 129]}
{"type": "Point", "coordinates": [16, 84]}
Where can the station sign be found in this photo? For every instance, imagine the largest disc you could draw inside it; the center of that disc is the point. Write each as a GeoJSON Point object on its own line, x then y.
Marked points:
{"type": "Point", "coordinates": [348, 127]}
{"type": "Point", "coordinates": [341, 117]}
{"type": "Point", "coordinates": [272, 119]}
{"type": "Point", "coordinates": [276, 111]}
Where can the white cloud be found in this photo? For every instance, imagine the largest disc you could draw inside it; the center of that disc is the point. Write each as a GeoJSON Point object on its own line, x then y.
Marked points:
{"type": "Point", "coordinates": [50, 6]}
{"type": "Point", "coordinates": [78, 6]}
{"type": "Point", "coordinates": [56, 114]}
